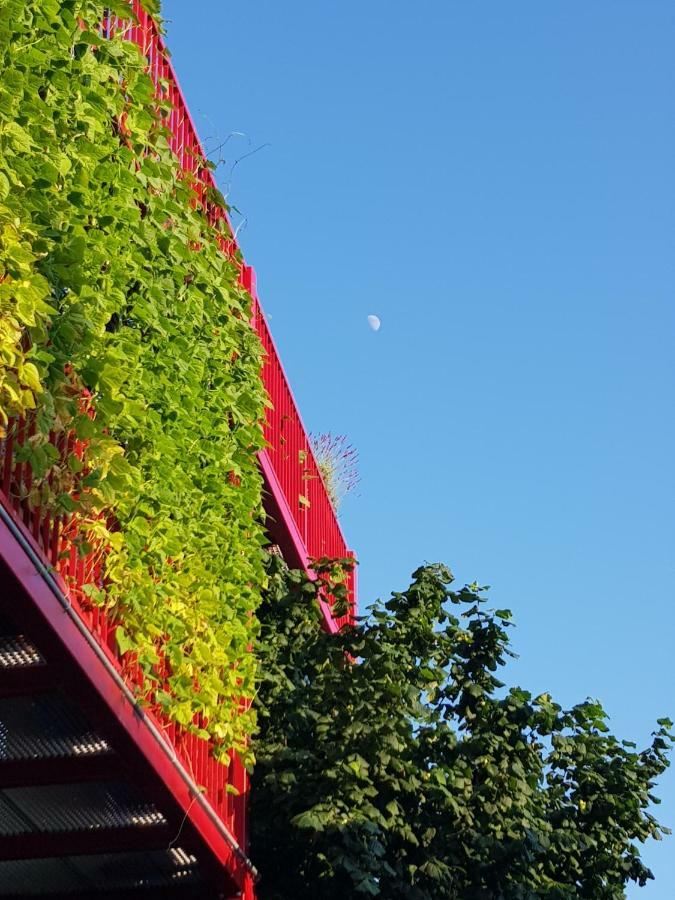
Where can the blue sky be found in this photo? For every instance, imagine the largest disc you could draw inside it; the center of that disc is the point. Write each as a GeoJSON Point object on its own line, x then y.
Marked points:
{"type": "Point", "coordinates": [495, 181]}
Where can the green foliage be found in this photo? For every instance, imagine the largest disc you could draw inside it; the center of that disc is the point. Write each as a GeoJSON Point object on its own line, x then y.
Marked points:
{"type": "Point", "coordinates": [393, 763]}
{"type": "Point", "coordinates": [121, 321]}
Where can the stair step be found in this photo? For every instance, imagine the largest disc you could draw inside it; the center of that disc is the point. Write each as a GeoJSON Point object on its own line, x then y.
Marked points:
{"type": "Point", "coordinates": [45, 726]}
{"type": "Point", "coordinates": [109, 872]}
{"type": "Point", "coordinates": [66, 808]}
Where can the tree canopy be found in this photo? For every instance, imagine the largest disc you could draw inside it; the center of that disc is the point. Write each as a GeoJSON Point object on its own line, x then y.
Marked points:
{"type": "Point", "coordinates": [393, 762]}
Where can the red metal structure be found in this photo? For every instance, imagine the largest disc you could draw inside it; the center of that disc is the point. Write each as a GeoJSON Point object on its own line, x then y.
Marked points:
{"type": "Point", "coordinates": [301, 515]}
{"type": "Point", "coordinates": [97, 795]}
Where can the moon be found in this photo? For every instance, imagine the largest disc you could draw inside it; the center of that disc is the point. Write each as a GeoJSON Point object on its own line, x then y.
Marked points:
{"type": "Point", "coordinates": [374, 323]}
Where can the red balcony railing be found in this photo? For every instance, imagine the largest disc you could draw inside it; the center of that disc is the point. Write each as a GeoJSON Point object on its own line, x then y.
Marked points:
{"type": "Point", "coordinates": [294, 465]}
{"type": "Point", "coordinates": [303, 515]}
{"type": "Point", "coordinates": [305, 504]}
{"type": "Point", "coordinates": [53, 537]}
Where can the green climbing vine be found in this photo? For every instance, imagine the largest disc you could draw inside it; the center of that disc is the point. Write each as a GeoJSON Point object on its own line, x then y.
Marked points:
{"type": "Point", "coordinates": [123, 323]}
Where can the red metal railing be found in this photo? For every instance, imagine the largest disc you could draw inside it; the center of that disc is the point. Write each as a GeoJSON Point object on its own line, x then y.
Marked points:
{"type": "Point", "coordinates": [304, 504]}
{"type": "Point", "coordinates": [294, 464]}
{"type": "Point", "coordinates": [289, 452]}
{"type": "Point", "coordinates": [54, 535]}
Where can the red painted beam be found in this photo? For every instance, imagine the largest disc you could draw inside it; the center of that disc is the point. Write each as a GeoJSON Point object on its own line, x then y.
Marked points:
{"type": "Point", "coordinates": [284, 532]}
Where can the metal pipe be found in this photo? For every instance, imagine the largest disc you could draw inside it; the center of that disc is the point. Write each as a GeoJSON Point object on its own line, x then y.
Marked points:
{"type": "Point", "coordinates": [166, 747]}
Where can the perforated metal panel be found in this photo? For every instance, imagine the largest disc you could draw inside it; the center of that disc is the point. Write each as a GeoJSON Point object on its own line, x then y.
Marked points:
{"type": "Point", "coordinates": [106, 873]}
{"type": "Point", "coordinates": [47, 726]}
{"type": "Point", "coordinates": [16, 650]}
{"type": "Point", "coordinates": [74, 807]}
{"type": "Point", "coordinates": [37, 877]}
{"type": "Point", "coordinates": [148, 869]}
{"type": "Point", "coordinates": [11, 819]}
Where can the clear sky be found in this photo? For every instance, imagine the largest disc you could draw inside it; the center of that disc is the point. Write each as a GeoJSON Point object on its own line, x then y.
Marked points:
{"type": "Point", "coordinates": [496, 182]}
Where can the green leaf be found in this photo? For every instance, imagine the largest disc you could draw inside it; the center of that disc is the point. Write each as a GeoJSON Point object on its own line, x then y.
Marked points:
{"type": "Point", "coordinates": [18, 137]}
{"type": "Point", "coordinates": [124, 642]}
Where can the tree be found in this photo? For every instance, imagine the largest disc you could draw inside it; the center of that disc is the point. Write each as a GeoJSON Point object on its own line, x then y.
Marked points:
{"type": "Point", "coordinates": [392, 762]}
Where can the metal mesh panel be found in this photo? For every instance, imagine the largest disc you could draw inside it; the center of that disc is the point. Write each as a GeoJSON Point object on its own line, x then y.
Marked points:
{"type": "Point", "coordinates": [18, 651]}
{"type": "Point", "coordinates": [80, 807]}
{"type": "Point", "coordinates": [15, 648]}
{"type": "Point", "coordinates": [45, 727]}
{"type": "Point", "coordinates": [105, 873]}
{"type": "Point", "coordinates": [11, 820]}
{"type": "Point", "coordinates": [37, 877]}
{"type": "Point", "coordinates": [156, 869]}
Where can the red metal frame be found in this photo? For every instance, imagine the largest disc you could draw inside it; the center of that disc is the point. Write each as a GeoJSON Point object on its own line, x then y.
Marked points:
{"type": "Point", "coordinates": [27, 597]}
{"type": "Point", "coordinates": [301, 519]}
{"type": "Point", "coordinates": [306, 506]}
{"type": "Point", "coordinates": [299, 499]}
{"type": "Point", "coordinates": [51, 539]}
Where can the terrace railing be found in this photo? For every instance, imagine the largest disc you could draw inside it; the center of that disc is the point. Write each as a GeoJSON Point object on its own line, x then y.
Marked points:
{"type": "Point", "coordinates": [302, 517]}
{"type": "Point", "coordinates": [288, 464]}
